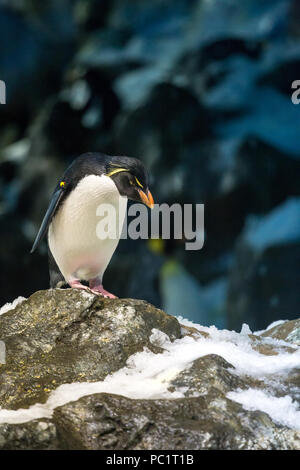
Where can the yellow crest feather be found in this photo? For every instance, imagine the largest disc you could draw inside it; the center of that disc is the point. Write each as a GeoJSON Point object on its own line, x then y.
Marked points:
{"type": "Point", "coordinates": [138, 182]}
{"type": "Point", "coordinates": [117, 170]}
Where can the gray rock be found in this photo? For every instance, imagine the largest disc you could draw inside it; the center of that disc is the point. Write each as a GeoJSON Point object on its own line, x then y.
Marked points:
{"type": "Point", "coordinates": [288, 331]}
{"type": "Point", "coordinates": [35, 435]}
{"type": "Point", "coordinates": [207, 373]}
{"type": "Point", "coordinates": [104, 421]}
{"type": "Point", "coordinates": [63, 336]}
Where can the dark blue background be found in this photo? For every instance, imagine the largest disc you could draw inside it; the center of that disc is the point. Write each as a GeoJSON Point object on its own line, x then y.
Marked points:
{"type": "Point", "coordinates": [201, 92]}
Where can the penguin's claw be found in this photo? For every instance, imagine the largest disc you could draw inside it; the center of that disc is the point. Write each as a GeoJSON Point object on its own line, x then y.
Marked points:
{"type": "Point", "coordinates": [107, 295]}
{"type": "Point", "coordinates": [75, 284]}
{"type": "Point", "coordinates": [97, 288]}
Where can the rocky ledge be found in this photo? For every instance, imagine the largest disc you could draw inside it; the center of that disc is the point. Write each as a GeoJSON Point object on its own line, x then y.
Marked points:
{"type": "Point", "coordinates": [84, 372]}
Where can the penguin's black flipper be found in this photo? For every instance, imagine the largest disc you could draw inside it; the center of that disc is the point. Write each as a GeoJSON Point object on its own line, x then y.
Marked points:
{"type": "Point", "coordinates": [56, 277]}
{"type": "Point", "coordinates": [55, 200]}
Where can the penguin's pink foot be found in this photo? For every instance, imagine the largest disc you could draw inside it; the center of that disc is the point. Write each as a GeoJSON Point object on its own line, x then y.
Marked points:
{"type": "Point", "coordinates": [97, 288]}
{"type": "Point", "coordinates": [77, 285]}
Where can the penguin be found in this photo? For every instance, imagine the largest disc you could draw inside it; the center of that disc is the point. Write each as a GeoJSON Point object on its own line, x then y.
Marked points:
{"type": "Point", "coordinates": [76, 252]}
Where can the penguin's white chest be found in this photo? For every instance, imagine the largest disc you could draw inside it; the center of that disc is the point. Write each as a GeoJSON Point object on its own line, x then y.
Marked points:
{"type": "Point", "coordinates": [86, 230]}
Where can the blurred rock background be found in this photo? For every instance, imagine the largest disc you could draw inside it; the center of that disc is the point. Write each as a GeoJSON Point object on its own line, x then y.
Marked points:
{"type": "Point", "coordinates": [200, 90]}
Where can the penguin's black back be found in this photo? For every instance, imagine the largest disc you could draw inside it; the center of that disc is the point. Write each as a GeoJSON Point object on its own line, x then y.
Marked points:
{"type": "Point", "coordinates": [84, 165]}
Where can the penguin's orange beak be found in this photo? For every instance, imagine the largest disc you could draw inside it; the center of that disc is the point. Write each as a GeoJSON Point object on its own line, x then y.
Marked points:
{"type": "Point", "coordinates": [146, 198]}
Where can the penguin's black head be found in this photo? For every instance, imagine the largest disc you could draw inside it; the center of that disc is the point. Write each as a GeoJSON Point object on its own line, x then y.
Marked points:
{"type": "Point", "coordinates": [131, 178]}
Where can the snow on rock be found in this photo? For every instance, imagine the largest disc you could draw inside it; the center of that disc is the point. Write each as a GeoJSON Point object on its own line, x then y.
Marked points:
{"type": "Point", "coordinates": [282, 410]}
{"type": "Point", "coordinates": [221, 368]}
{"type": "Point", "coordinates": [148, 375]}
{"type": "Point", "coordinates": [11, 305]}
{"type": "Point", "coordinates": [272, 325]}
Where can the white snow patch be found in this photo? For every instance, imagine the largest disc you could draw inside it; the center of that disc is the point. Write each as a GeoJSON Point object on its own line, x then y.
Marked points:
{"type": "Point", "coordinates": [11, 305]}
{"type": "Point", "coordinates": [158, 338]}
{"type": "Point", "coordinates": [280, 409]}
{"type": "Point", "coordinates": [148, 375]}
{"type": "Point", "coordinates": [272, 325]}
